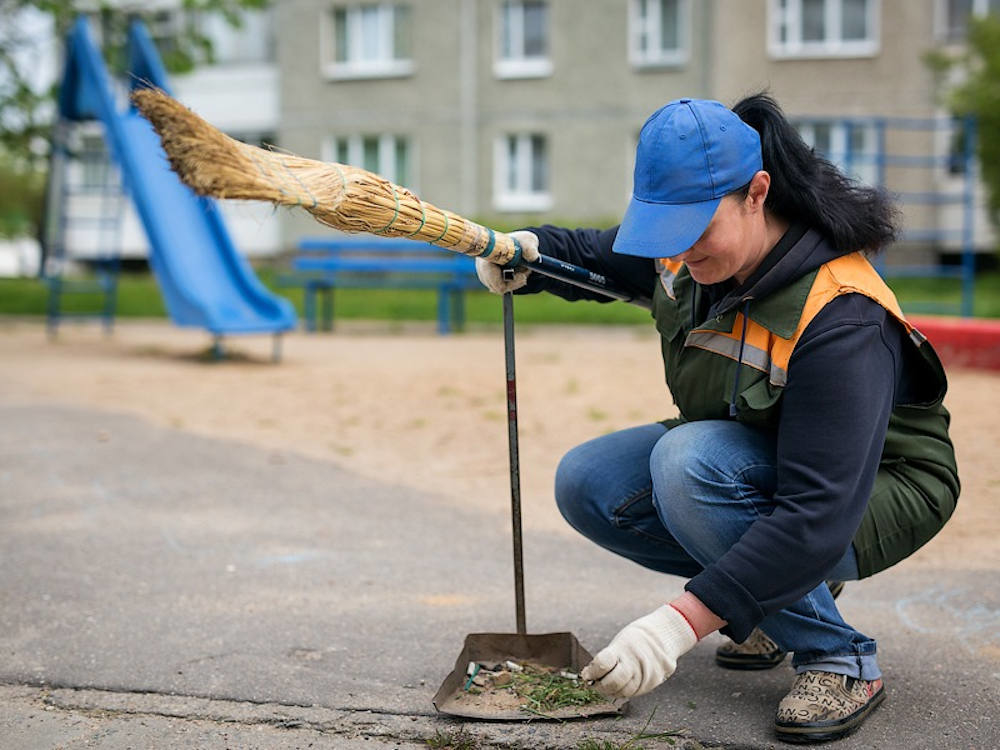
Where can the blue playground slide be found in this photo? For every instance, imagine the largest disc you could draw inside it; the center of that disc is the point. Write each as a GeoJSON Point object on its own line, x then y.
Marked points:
{"type": "Point", "coordinates": [205, 282]}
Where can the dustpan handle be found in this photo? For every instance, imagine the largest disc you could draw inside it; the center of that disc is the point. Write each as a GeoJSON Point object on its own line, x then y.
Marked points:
{"type": "Point", "coordinates": [515, 469]}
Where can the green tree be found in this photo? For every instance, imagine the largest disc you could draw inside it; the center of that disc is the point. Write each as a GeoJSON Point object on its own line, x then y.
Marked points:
{"type": "Point", "coordinates": [21, 189]}
{"type": "Point", "coordinates": [27, 108]}
{"type": "Point", "coordinates": [977, 94]}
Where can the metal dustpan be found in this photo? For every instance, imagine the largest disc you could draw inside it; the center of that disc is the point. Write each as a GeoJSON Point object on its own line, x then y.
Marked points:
{"type": "Point", "coordinates": [558, 651]}
{"type": "Point", "coordinates": [555, 652]}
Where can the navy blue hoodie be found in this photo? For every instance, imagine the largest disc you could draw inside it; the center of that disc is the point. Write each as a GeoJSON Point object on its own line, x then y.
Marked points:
{"type": "Point", "coordinates": [853, 352]}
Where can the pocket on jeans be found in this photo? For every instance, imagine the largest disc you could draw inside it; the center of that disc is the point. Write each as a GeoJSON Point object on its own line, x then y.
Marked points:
{"type": "Point", "coordinates": [638, 514]}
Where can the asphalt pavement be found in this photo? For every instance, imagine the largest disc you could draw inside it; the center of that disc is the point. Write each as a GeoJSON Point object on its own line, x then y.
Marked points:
{"type": "Point", "coordinates": [164, 590]}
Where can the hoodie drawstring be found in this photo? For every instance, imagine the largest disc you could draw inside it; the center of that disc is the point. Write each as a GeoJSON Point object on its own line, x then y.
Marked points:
{"type": "Point", "coordinates": [733, 411]}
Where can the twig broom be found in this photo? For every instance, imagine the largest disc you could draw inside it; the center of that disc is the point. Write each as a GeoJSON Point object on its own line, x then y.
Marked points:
{"type": "Point", "coordinates": [338, 195]}
{"type": "Point", "coordinates": [343, 197]}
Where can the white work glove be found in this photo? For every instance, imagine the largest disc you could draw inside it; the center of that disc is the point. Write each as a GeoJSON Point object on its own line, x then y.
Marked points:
{"type": "Point", "coordinates": [642, 655]}
{"type": "Point", "coordinates": [491, 275]}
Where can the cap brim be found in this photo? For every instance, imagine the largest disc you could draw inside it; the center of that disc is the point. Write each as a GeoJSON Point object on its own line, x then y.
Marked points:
{"type": "Point", "coordinates": [662, 230]}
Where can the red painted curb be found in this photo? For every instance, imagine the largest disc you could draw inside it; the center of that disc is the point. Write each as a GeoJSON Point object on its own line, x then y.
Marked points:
{"type": "Point", "coordinates": [963, 342]}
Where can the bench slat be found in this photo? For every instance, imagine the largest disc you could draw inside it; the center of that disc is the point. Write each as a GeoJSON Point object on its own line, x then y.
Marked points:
{"type": "Point", "coordinates": [354, 244]}
{"type": "Point", "coordinates": [381, 266]}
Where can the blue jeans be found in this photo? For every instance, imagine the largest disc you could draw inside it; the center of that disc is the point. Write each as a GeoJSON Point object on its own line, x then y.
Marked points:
{"type": "Point", "coordinates": [675, 500]}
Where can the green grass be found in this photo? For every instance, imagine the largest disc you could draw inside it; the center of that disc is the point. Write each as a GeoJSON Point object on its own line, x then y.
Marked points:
{"type": "Point", "coordinates": [669, 736]}
{"type": "Point", "coordinates": [918, 294]}
{"type": "Point", "coordinates": [545, 691]}
{"type": "Point", "coordinates": [139, 296]}
{"type": "Point", "coordinates": [462, 740]}
{"type": "Point", "coordinates": [630, 744]}
{"type": "Point", "coordinates": [480, 306]}
{"type": "Point", "coordinates": [459, 740]}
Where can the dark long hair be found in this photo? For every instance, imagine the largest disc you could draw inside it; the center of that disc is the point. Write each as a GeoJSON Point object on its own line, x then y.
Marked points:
{"type": "Point", "coordinates": [806, 187]}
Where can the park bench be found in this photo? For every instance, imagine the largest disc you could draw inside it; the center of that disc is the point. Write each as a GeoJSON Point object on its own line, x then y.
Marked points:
{"type": "Point", "coordinates": [322, 264]}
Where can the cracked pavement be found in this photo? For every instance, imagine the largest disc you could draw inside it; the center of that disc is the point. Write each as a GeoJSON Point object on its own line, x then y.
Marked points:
{"type": "Point", "coordinates": [167, 590]}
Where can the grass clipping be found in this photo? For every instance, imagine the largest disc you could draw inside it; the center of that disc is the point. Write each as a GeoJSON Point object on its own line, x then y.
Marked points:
{"type": "Point", "coordinates": [344, 197]}
{"type": "Point", "coordinates": [533, 689]}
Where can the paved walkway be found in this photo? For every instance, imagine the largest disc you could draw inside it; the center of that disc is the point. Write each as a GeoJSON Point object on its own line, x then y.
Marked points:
{"type": "Point", "coordinates": [164, 590]}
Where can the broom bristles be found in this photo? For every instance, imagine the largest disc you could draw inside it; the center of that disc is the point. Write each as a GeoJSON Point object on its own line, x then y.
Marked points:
{"type": "Point", "coordinates": [343, 197]}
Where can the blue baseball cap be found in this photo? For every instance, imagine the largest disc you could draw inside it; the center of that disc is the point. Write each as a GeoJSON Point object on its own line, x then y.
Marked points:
{"type": "Point", "coordinates": [691, 153]}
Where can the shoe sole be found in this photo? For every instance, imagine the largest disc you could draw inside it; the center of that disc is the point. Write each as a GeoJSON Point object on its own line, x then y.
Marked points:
{"type": "Point", "coordinates": [824, 731]}
{"type": "Point", "coordinates": [749, 662]}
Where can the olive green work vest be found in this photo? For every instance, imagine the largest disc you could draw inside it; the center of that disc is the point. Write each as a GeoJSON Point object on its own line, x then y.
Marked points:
{"type": "Point", "coordinates": [916, 487]}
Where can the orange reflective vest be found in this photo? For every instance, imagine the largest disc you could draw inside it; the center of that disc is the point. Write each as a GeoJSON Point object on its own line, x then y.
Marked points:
{"type": "Point", "coordinates": [732, 366]}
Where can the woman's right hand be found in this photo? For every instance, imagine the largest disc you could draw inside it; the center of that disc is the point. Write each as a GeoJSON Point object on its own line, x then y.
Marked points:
{"type": "Point", "coordinates": [491, 275]}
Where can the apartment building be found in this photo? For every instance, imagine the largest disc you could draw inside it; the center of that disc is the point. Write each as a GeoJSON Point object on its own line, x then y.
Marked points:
{"type": "Point", "coordinates": [519, 111]}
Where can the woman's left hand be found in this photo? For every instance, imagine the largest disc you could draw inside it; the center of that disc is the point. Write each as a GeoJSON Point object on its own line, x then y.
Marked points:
{"type": "Point", "coordinates": [642, 655]}
{"type": "Point", "coordinates": [491, 275]}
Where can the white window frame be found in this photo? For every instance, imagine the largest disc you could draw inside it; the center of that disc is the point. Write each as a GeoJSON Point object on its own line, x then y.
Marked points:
{"type": "Point", "coordinates": [521, 197]}
{"type": "Point", "coordinates": [657, 57]}
{"type": "Point", "coordinates": [386, 66]}
{"type": "Point", "coordinates": [518, 65]}
{"type": "Point", "coordinates": [252, 43]}
{"type": "Point", "coordinates": [631, 147]}
{"type": "Point", "coordinates": [92, 162]}
{"type": "Point", "coordinates": [833, 46]}
{"type": "Point", "coordinates": [387, 165]}
{"type": "Point", "coordinates": [864, 169]}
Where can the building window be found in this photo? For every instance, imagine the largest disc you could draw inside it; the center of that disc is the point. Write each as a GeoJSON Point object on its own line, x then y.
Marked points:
{"type": "Point", "coordinates": [961, 150]}
{"type": "Point", "coordinates": [852, 146]}
{"type": "Point", "coordinates": [956, 14]}
{"type": "Point", "coordinates": [389, 156]}
{"type": "Point", "coordinates": [165, 27]}
{"type": "Point", "coordinates": [94, 164]}
{"type": "Point", "coordinates": [250, 42]}
{"type": "Point", "coordinates": [824, 28]}
{"type": "Point", "coordinates": [366, 41]}
{"type": "Point", "coordinates": [658, 32]}
{"type": "Point", "coordinates": [523, 40]}
{"type": "Point", "coordinates": [247, 37]}
{"type": "Point", "coordinates": [521, 173]}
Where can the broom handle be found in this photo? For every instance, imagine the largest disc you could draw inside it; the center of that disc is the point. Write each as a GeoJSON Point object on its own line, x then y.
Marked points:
{"type": "Point", "coordinates": [581, 277]}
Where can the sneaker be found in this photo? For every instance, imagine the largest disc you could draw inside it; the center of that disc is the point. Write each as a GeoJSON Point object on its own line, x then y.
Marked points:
{"type": "Point", "coordinates": [758, 651]}
{"type": "Point", "coordinates": [825, 706]}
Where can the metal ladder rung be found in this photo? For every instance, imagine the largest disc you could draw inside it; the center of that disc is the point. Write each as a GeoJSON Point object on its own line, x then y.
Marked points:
{"type": "Point", "coordinates": [106, 225]}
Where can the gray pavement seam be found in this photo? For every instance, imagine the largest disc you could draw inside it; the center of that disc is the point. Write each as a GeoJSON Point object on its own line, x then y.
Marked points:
{"type": "Point", "coordinates": [371, 724]}
{"type": "Point", "coordinates": [131, 704]}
